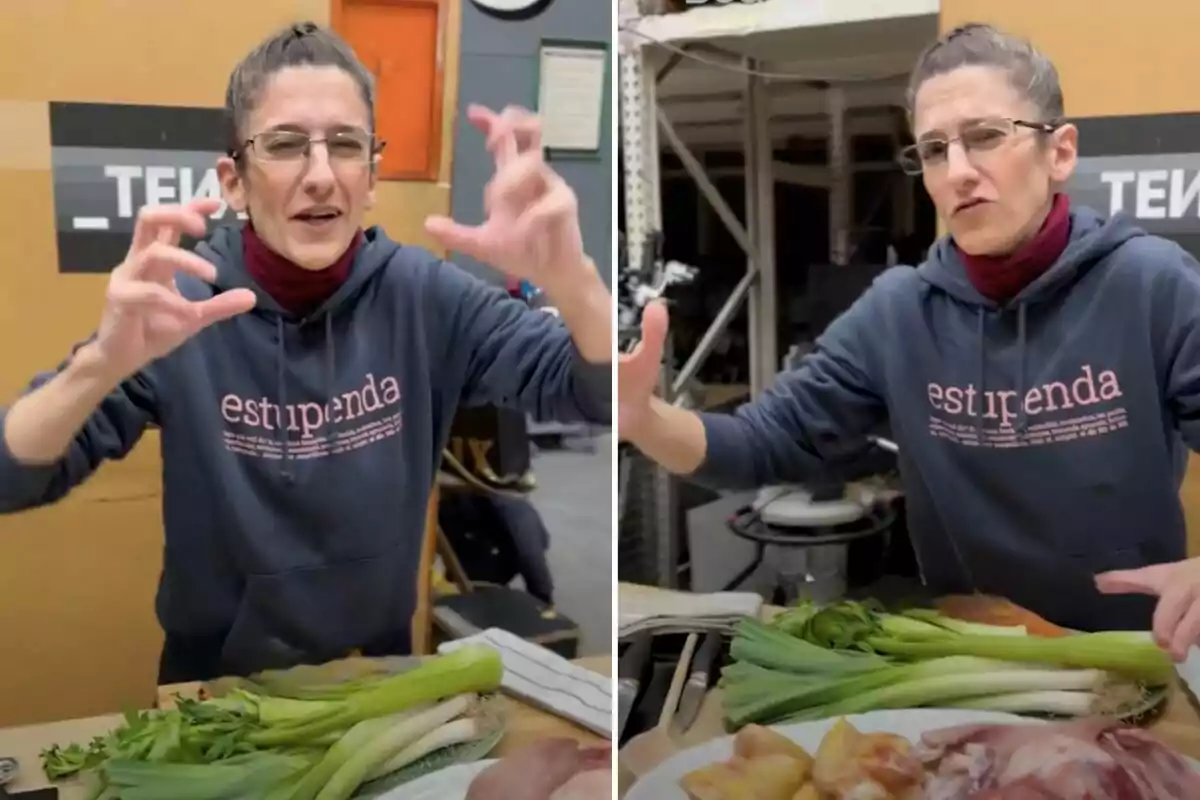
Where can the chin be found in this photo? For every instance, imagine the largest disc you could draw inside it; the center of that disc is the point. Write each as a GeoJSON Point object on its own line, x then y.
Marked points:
{"type": "Point", "coordinates": [316, 257]}
{"type": "Point", "coordinates": [980, 243]}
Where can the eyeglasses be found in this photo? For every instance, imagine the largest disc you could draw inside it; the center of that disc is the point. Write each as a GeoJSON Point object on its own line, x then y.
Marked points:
{"type": "Point", "coordinates": [347, 146]}
{"type": "Point", "coordinates": [977, 137]}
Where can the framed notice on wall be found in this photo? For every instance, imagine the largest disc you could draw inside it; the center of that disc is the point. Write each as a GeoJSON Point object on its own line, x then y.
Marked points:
{"type": "Point", "coordinates": [572, 96]}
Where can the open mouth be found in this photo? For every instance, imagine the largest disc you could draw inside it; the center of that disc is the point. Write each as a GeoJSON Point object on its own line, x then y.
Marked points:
{"type": "Point", "coordinates": [318, 216]}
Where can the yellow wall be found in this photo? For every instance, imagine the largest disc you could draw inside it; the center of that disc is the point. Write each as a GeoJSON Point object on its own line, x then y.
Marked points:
{"type": "Point", "coordinates": [1127, 62]}
{"type": "Point", "coordinates": [77, 580]}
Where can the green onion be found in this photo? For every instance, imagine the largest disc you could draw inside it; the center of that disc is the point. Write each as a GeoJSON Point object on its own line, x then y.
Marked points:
{"type": "Point", "coordinates": [244, 745]}
{"type": "Point", "coordinates": [472, 668]}
{"type": "Point", "coordinates": [847, 657]}
{"type": "Point", "coordinates": [853, 626]}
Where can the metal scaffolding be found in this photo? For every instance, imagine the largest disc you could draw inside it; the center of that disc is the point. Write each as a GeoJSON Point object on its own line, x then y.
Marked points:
{"type": "Point", "coordinates": [643, 64]}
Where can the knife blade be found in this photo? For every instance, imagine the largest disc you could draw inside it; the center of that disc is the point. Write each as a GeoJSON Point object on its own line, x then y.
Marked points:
{"type": "Point", "coordinates": [629, 676]}
{"type": "Point", "coordinates": [696, 688]}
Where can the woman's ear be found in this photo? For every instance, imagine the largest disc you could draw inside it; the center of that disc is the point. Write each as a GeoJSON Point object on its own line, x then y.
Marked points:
{"type": "Point", "coordinates": [1064, 153]}
{"type": "Point", "coordinates": [233, 184]}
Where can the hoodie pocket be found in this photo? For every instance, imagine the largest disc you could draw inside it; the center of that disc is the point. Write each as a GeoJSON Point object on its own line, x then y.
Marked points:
{"type": "Point", "coordinates": [318, 614]}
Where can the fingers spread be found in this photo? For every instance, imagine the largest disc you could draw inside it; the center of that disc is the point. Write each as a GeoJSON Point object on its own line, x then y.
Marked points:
{"type": "Point", "coordinates": [160, 262]}
{"type": "Point", "coordinates": [225, 305]}
{"type": "Point", "coordinates": [455, 236]}
{"type": "Point", "coordinates": [1148, 580]}
{"type": "Point", "coordinates": [1173, 605]}
{"type": "Point", "coordinates": [1187, 633]}
{"type": "Point", "coordinates": [655, 322]}
{"type": "Point", "coordinates": [513, 132]}
{"type": "Point", "coordinates": [554, 205]}
{"type": "Point", "coordinates": [520, 183]}
{"type": "Point", "coordinates": [148, 296]}
{"type": "Point", "coordinates": [646, 359]}
{"type": "Point", "coordinates": [191, 218]}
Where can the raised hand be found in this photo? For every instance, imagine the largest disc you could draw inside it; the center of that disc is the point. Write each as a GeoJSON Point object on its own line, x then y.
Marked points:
{"type": "Point", "coordinates": [638, 372]}
{"type": "Point", "coordinates": [531, 229]}
{"type": "Point", "coordinates": [145, 317]}
{"type": "Point", "coordinates": [1177, 587]}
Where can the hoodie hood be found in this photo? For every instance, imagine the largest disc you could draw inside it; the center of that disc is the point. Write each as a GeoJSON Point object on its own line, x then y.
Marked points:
{"type": "Point", "coordinates": [224, 249]}
{"type": "Point", "coordinates": [1092, 239]}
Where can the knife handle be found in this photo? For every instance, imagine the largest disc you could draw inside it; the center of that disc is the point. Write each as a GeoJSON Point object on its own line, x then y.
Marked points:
{"type": "Point", "coordinates": [682, 670]}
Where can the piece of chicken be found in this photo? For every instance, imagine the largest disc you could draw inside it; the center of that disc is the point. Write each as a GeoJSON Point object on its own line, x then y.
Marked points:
{"type": "Point", "coordinates": [552, 769]}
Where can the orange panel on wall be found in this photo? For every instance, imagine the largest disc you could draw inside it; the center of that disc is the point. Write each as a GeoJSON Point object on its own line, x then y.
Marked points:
{"type": "Point", "coordinates": [400, 41]}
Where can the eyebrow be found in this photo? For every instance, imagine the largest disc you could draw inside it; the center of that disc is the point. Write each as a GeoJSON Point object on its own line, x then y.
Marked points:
{"type": "Point", "coordinates": [966, 123]}
{"type": "Point", "coordinates": [290, 127]}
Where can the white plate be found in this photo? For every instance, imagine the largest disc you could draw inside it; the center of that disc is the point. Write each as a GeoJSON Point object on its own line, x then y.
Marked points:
{"type": "Point", "coordinates": [662, 783]}
{"type": "Point", "coordinates": [447, 784]}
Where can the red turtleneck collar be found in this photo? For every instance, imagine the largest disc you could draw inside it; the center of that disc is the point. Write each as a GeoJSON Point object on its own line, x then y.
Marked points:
{"type": "Point", "coordinates": [297, 290]}
{"type": "Point", "coordinates": [1001, 278]}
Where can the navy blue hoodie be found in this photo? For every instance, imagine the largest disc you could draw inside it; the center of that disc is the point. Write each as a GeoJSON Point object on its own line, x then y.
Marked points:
{"type": "Point", "coordinates": [299, 454]}
{"type": "Point", "coordinates": [1041, 441]}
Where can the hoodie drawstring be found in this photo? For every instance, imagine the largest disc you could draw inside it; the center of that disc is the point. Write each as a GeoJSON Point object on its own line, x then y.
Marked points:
{"type": "Point", "coordinates": [1022, 424]}
{"type": "Point", "coordinates": [982, 318]}
{"type": "Point", "coordinates": [330, 360]}
{"type": "Point", "coordinates": [1022, 418]}
{"type": "Point", "coordinates": [286, 470]}
{"type": "Point", "coordinates": [281, 354]}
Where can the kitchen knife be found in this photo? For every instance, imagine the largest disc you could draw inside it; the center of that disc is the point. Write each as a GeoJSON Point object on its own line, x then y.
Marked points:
{"type": "Point", "coordinates": [698, 682]}
{"type": "Point", "coordinates": [629, 676]}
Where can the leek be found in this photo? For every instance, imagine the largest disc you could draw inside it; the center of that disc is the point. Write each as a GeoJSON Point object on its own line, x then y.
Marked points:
{"type": "Point", "coordinates": [854, 626]}
{"type": "Point", "coordinates": [471, 668]}
{"type": "Point", "coordinates": [283, 747]}
{"type": "Point", "coordinates": [459, 731]}
{"type": "Point", "coordinates": [349, 774]}
{"type": "Point", "coordinates": [847, 657]}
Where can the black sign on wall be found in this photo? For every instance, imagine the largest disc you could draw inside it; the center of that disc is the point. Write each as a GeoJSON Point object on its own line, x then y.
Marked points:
{"type": "Point", "coordinates": [1145, 166]}
{"type": "Point", "coordinates": [110, 160]}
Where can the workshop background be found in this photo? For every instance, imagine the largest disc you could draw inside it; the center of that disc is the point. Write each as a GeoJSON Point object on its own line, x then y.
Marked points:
{"type": "Point", "coordinates": [77, 580]}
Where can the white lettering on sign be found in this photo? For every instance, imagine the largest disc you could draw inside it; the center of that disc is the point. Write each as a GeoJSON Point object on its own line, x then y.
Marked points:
{"type": "Point", "coordinates": [1157, 193]}
{"type": "Point", "coordinates": [163, 185]}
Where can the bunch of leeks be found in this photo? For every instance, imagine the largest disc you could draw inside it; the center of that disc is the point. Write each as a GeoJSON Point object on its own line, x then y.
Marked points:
{"type": "Point", "coordinates": [843, 658]}
{"type": "Point", "coordinates": [247, 745]}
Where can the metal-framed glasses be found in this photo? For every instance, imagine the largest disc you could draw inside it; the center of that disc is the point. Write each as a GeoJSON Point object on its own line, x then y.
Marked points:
{"type": "Point", "coordinates": [350, 146]}
{"type": "Point", "coordinates": [977, 137]}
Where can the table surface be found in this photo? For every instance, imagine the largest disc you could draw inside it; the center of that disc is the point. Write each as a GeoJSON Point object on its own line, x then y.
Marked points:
{"type": "Point", "coordinates": [524, 725]}
{"type": "Point", "coordinates": [1177, 726]}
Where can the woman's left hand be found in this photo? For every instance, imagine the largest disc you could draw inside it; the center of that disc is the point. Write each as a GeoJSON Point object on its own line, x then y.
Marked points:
{"type": "Point", "coordinates": [1177, 587]}
{"type": "Point", "coordinates": [531, 229]}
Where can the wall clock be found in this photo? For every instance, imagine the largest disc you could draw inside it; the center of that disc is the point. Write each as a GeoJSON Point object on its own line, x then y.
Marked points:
{"type": "Point", "coordinates": [513, 10]}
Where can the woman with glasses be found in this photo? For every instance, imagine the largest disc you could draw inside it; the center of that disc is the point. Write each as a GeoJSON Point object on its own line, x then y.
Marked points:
{"type": "Point", "coordinates": [304, 372]}
{"type": "Point", "coordinates": [1040, 370]}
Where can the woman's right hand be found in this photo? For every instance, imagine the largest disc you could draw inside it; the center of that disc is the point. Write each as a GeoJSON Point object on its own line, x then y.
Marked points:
{"type": "Point", "coordinates": [145, 317]}
{"type": "Point", "coordinates": [638, 373]}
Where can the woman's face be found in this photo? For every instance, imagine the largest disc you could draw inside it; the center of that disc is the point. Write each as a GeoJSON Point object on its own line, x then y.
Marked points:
{"type": "Point", "coordinates": [308, 207]}
{"type": "Point", "coordinates": [992, 196]}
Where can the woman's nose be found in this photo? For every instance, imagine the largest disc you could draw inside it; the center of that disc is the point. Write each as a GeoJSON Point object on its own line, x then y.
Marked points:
{"type": "Point", "coordinates": [318, 168]}
{"type": "Point", "coordinates": [959, 167]}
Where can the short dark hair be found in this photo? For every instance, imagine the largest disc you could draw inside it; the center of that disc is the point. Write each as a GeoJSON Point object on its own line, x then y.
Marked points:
{"type": "Point", "coordinates": [978, 45]}
{"type": "Point", "coordinates": [302, 44]}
